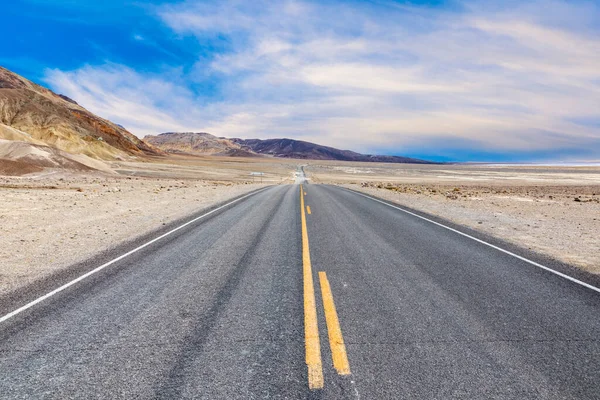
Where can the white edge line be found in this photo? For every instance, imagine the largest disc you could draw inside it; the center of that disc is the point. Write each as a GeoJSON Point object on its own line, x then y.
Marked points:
{"type": "Point", "coordinates": [100, 268]}
{"type": "Point", "coordinates": [587, 285]}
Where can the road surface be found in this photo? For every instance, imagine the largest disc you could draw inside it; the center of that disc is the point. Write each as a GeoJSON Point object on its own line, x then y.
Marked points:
{"type": "Point", "coordinates": [315, 292]}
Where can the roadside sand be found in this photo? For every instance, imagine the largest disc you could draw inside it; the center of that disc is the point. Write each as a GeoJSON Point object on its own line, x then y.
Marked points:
{"type": "Point", "coordinates": [551, 210]}
{"type": "Point", "coordinates": [51, 220]}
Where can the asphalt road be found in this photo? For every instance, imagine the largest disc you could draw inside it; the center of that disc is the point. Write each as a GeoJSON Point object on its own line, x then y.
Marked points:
{"type": "Point", "coordinates": [220, 308]}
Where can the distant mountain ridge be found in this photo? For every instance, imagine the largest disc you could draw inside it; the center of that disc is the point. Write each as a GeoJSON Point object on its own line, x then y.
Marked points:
{"type": "Point", "coordinates": [290, 148]}
{"type": "Point", "coordinates": [41, 129]}
{"type": "Point", "coordinates": [202, 143]}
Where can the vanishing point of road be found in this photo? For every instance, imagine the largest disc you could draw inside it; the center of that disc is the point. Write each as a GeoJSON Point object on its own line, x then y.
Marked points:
{"type": "Point", "coordinates": [307, 291]}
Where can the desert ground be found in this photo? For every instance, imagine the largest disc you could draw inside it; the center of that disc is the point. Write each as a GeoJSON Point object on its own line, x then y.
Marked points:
{"type": "Point", "coordinates": [553, 210]}
{"type": "Point", "coordinates": [53, 219]}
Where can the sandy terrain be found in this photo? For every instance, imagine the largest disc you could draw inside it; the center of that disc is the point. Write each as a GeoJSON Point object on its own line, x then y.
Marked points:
{"type": "Point", "coordinates": [232, 169]}
{"type": "Point", "coordinates": [551, 210]}
{"type": "Point", "coordinates": [53, 219]}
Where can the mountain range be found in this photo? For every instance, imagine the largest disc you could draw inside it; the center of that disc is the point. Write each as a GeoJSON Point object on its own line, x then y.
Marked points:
{"type": "Point", "coordinates": [202, 143]}
{"type": "Point", "coordinates": [41, 129]}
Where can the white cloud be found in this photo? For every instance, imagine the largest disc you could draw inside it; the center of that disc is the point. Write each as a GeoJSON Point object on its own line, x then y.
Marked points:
{"type": "Point", "coordinates": [143, 104]}
{"type": "Point", "coordinates": [499, 75]}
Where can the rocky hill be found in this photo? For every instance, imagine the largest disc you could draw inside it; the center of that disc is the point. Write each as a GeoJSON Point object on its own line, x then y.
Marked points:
{"type": "Point", "coordinates": [34, 114]}
{"type": "Point", "coordinates": [197, 143]}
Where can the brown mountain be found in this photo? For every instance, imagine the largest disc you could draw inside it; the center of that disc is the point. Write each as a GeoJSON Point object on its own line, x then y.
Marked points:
{"type": "Point", "coordinates": [34, 114]}
{"type": "Point", "coordinates": [197, 143]}
{"type": "Point", "coordinates": [289, 148]}
{"type": "Point", "coordinates": [207, 144]}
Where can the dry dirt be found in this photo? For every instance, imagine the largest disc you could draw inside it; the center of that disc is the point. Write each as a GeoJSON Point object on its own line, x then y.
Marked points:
{"type": "Point", "coordinates": [52, 219]}
{"type": "Point", "coordinates": [553, 210]}
{"type": "Point", "coordinates": [234, 169]}
{"type": "Point", "coordinates": [17, 168]}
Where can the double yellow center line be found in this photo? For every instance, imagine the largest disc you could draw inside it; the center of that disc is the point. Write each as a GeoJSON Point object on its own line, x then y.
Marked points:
{"type": "Point", "coordinates": [311, 328]}
{"type": "Point", "coordinates": [336, 340]}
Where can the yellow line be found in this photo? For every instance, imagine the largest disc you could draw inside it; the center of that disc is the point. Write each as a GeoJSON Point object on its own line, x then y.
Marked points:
{"type": "Point", "coordinates": [336, 340]}
{"type": "Point", "coordinates": [308, 210]}
{"type": "Point", "coordinates": [311, 328]}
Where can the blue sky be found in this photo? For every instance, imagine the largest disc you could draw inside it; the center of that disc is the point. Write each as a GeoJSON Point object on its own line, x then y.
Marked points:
{"type": "Point", "coordinates": [445, 80]}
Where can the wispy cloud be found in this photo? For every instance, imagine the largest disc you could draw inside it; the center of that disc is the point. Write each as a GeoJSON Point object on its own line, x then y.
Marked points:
{"type": "Point", "coordinates": [153, 44]}
{"type": "Point", "coordinates": [494, 76]}
{"type": "Point", "coordinates": [144, 104]}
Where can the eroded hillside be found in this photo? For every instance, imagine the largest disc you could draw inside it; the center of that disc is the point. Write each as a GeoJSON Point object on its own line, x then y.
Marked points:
{"type": "Point", "coordinates": [38, 115]}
